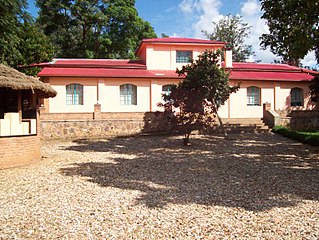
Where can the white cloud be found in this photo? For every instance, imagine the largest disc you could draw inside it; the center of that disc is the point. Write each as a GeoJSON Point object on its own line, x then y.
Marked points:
{"type": "Point", "coordinates": [186, 6]}
{"type": "Point", "coordinates": [251, 12]}
{"type": "Point", "coordinates": [250, 7]}
{"type": "Point", "coordinates": [204, 11]}
{"type": "Point", "coordinates": [310, 60]}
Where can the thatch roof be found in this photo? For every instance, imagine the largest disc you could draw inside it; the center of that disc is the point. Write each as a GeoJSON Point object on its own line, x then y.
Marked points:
{"type": "Point", "coordinates": [15, 80]}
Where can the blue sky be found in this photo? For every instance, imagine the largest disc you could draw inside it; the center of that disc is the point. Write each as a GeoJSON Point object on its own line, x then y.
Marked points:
{"type": "Point", "coordinates": [187, 18]}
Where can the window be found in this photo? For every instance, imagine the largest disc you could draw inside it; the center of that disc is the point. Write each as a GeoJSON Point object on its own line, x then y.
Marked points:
{"type": "Point", "coordinates": [128, 94]}
{"type": "Point", "coordinates": [167, 89]}
{"type": "Point", "coordinates": [296, 95]}
{"type": "Point", "coordinates": [253, 96]}
{"type": "Point", "coordinates": [184, 56]}
{"type": "Point", "coordinates": [74, 94]}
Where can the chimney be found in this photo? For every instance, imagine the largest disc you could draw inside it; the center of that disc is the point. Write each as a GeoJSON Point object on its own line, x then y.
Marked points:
{"type": "Point", "coordinates": [228, 58]}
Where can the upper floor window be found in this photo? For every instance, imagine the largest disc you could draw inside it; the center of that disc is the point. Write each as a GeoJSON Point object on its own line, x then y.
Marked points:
{"type": "Point", "coordinates": [128, 94]}
{"type": "Point", "coordinates": [253, 96]}
{"type": "Point", "coordinates": [74, 94]}
{"type": "Point", "coordinates": [184, 56]}
{"type": "Point", "coordinates": [167, 89]}
{"type": "Point", "coordinates": [296, 95]}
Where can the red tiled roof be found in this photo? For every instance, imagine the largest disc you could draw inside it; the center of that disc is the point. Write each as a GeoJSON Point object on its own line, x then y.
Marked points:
{"type": "Point", "coordinates": [96, 63]}
{"type": "Point", "coordinates": [270, 76]}
{"type": "Point", "coordinates": [175, 40]}
{"type": "Point", "coordinates": [264, 66]}
{"type": "Point", "coordinates": [181, 40]}
{"type": "Point", "coordinates": [136, 69]}
{"type": "Point", "coordinates": [106, 72]}
{"type": "Point", "coordinates": [268, 72]}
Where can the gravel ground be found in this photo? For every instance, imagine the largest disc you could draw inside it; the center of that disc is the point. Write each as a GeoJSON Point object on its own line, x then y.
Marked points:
{"type": "Point", "coordinates": [250, 187]}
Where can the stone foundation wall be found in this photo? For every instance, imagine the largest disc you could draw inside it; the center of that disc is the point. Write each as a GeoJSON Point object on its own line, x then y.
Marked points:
{"type": "Point", "coordinates": [112, 124]}
{"type": "Point", "coordinates": [19, 150]}
{"type": "Point", "coordinates": [88, 128]}
{"type": "Point", "coordinates": [304, 120]}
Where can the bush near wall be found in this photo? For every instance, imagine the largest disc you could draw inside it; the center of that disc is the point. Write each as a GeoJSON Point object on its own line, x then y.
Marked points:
{"type": "Point", "coordinates": [311, 138]}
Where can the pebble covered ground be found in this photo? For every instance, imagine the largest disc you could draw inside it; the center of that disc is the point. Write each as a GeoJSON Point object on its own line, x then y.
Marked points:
{"type": "Point", "coordinates": [252, 186]}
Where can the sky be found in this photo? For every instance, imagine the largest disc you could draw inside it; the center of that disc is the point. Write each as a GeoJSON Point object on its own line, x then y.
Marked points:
{"type": "Point", "coordinates": [187, 18]}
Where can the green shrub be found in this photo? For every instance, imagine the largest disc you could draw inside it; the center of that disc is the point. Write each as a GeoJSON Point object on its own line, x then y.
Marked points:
{"type": "Point", "coordinates": [311, 138]}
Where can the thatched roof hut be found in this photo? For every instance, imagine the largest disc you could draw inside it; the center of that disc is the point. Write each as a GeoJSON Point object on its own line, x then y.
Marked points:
{"type": "Point", "coordinates": [15, 80]}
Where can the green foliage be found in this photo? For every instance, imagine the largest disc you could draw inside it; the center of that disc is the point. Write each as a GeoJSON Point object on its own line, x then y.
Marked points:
{"type": "Point", "coordinates": [35, 47]}
{"type": "Point", "coordinates": [198, 97]}
{"type": "Point", "coordinates": [93, 28]}
{"type": "Point", "coordinates": [233, 31]}
{"type": "Point", "coordinates": [21, 41]}
{"type": "Point", "coordinates": [311, 138]}
{"type": "Point", "coordinates": [293, 27]}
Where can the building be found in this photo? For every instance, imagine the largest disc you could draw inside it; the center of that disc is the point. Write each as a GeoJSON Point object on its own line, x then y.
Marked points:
{"type": "Point", "coordinates": [123, 88]}
{"type": "Point", "coordinates": [19, 136]}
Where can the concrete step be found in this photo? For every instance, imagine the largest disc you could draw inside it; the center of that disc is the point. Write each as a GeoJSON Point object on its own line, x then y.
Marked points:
{"type": "Point", "coordinates": [242, 126]}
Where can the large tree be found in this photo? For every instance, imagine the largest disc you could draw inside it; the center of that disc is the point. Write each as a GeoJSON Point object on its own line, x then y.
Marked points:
{"type": "Point", "coordinates": [293, 28]}
{"type": "Point", "coordinates": [93, 28]}
{"type": "Point", "coordinates": [233, 31]}
{"type": "Point", "coordinates": [198, 97]}
{"type": "Point", "coordinates": [21, 41]}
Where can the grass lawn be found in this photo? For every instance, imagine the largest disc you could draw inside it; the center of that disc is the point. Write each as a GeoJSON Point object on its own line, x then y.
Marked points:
{"type": "Point", "coordinates": [311, 138]}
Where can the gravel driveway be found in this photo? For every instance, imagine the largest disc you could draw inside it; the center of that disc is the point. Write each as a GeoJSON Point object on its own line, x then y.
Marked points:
{"type": "Point", "coordinates": [250, 187]}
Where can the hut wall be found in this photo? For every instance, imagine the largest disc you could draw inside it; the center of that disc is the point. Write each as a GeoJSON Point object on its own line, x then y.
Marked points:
{"type": "Point", "coordinates": [19, 151]}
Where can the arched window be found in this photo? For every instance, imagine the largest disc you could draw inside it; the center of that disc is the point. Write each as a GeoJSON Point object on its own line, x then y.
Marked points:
{"type": "Point", "coordinates": [128, 94]}
{"type": "Point", "coordinates": [297, 98]}
{"type": "Point", "coordinates": [253, 96]}
{"type": "Point", "coordinates": [74, 94]}
{"type": "Point", "coordinates": [167, 89]}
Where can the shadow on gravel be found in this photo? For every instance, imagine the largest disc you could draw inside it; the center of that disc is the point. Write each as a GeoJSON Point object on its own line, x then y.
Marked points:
{"type": "Point", "coordinates": [254, 172]}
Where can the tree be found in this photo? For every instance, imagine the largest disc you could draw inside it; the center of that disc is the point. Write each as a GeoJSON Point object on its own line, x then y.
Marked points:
{"type": "Point", "coordinates": [198, 97]}
{"type": "Point", "coordinates": [293, 27]}
{"type": "Point", "coordinates": [233, 31]}
{"type": "Point", "coordinates": [21, 41]}
{"type": "Point", "coordinates": [93, 28]}
{"type": "Point", "coordinates": [35, 47]}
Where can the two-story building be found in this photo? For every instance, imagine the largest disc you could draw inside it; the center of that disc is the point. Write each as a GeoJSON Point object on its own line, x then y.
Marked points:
{"type": "Point", "coordinates": [136, 86]}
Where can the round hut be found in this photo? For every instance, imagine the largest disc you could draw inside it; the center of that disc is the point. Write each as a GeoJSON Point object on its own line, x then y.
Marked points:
{"type": "Point", "coordinates": [19, 135]}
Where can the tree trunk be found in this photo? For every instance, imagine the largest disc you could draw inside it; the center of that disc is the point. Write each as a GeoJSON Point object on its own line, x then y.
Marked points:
{"type": "Point", "coordinates": [222, 126]}
{"type": "Point", "coordinates": [220, 121]}
{"type": "Point", "coordinates": [186, 139]}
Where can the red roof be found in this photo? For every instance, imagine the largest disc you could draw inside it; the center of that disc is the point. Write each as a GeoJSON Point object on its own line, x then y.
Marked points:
{"type": "Point", "coordinates": [181, 40]}
{"type": "Point", "coordinates": [97, 63]}
{"type": "Point", "coordinates": [106, 72]}
{"type": "Point", "coordinates": [270, 76]}
{"type": "Point", "coordinates": [268, 72]}
{"type": "Point", "coordinates": [264, 66]}
{"type": "Point", "coordinates": [110, 68]}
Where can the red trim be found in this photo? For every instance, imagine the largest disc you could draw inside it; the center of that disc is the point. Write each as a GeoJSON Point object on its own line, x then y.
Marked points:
{"type": "Point", "coordinates": [107, 73]}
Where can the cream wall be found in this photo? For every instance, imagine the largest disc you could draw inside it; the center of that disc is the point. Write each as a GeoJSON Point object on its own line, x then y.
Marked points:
{"type": "Point", "coordinates": [58, 103]}
{"type": "Point", "coordinates": [106, 91]}
{"type": "Point", "coordinates": [162, 57]}
{"type": "Point", "coordinates": [283, 96]}
{"type": "Point", "coordinates": [238, 101]}
{"type": "Point", "coordinates": [110, 95]}
{"type": "Point", "coordinates": [156, 91]}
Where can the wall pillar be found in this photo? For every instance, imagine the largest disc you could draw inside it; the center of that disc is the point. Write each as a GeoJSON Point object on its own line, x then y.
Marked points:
{"type": "Point", "coordinates": [97, 111]}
